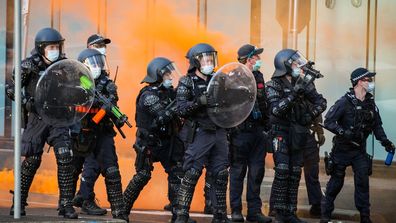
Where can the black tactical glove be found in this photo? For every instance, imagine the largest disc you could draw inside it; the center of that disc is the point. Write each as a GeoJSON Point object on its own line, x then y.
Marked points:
{"type": "Point", "coordinates": [320, 138]}
{"type": "Point", "coordinates": [29, 105]}
{"type": "Point", "coordinates": [389, 146]}
{"type": "Point", "coordinates": [299, 89]}
{"type": "Point", "coordinates": [10, 91]}
{"type": "Point", "coordinates": [203, 99]}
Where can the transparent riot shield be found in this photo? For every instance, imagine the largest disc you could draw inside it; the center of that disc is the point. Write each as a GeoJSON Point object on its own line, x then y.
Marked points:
{"type": "Point", "coordinates": [232, 93]}
{"type": "Point", "coordinates": [64, 93]}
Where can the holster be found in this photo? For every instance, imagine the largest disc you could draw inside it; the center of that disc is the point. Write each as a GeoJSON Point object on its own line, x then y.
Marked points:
{"type": "Point", "coordinates": [83, 142]}
{"type": "Point", "coordinates": [24, 118]}
{"type": "Point", "coordinates": [142, 157]}
{"type": "Point", "coordinates": [191, 128]}
{"type": "Point", "coordinates": [329, 164]}
{"type": "Point", "coordinates": [370, 164]}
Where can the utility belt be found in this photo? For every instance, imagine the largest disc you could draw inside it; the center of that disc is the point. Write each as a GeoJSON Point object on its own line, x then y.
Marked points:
{"type": "Point", "coordinates": [247, 126]}
{"type": "Point", "coordinates": [280, 128]}
{"type": "Point", "coordinates": [192, 127]}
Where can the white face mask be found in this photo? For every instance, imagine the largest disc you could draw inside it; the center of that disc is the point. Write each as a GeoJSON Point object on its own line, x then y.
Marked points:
{"type": "Point", "coordinates": [296, 72]}
{"type": "Point", "coordinates": [96, 71]}
{"type": "Point", "coordinates": [102, 50]}
{"type": "Point", "coordinates": [52, 55]}
{"type": "Point", "coordinates": [207, 70]}
{"type": "Point", "coordinates": [167, 83]}
{"type": "Point", "coordinates": [370, 87]}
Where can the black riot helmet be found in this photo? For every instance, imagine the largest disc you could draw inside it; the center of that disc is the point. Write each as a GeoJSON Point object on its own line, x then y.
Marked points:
{"type": "Point", "coordinates": [46, 37]}
{"type": "Point", "coordinates": [157, 68]}
{"type": "Point", "coordinates": [202, 53]}
{"type": "Point", "coordinates": [282, 62]}
{"type": "Point", "coordinates": [94, 60]}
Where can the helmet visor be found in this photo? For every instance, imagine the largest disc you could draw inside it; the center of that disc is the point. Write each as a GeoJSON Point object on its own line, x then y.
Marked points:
{"type": "Point", "coordinates": [171, 72]}
{"type": "Point", "coordinates": [206, 59]}
{"type": "Point", "coordinates": [97, 61]}
{"type": "Point", "coordinates": [298, 59]}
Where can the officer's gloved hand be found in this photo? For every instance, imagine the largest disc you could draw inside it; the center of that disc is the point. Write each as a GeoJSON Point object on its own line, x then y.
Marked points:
{"type": "Point", "coordinates": [203, 99]}
{"type": "Point", "coordinates": [320, 138]}
{"type": "Point", "coordinates": [29, 105]}
{"type": "Point", "coordinates": [389, 146]}
{"type": "Point", "coordinates": [299, 89]}
{"type": "Point", "coordinates": [10, 91]}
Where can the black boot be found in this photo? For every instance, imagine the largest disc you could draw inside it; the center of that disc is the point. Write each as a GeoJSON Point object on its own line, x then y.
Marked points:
{"type": "Point", "coordinates": [67, 210]}
{"type": "Point", "coordinates": [23, 211]}
{"type": "Point", "coordinates": [365, 219]}
{"type": "Point", "coordinates": [236, 216]}
{"type": "Point", "coordinates": [90, 207]}
{"type": "Point", "coordinates": [259, 218]}
{"type": "Point", "coordinates": [168, 207]}
{"type": "Point", "coordinates": [78, 200]}
{"type": "Point", "coordinates": [220, 218]}
{"type": "Point", "coordinates": [135, 186]}
{"type": "Point", "coordinates": [294, 219]}
{"type": "Point", "coordinates": [282, 217]}
{"type": "Point", "coordinates": [114, 193]}
{"type": "Point", "coordinates": [315, 210]}
{"type": "Point", "coordinates": [185, 195]}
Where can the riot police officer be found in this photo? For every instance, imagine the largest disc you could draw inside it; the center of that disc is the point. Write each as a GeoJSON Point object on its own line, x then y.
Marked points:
{"type": "Point", "coordinates": [95, 137]}
{"type": "Point", "coordinates": [247, 146]}
{"type": "Point", "coordinates": [157, 134]}
{"type": "Point", "coordinates": [289, 91]}
{"type": "Point", "coordinates": [91, 169]}
{"type": "Point", "coordinates": [353, 117]}
{"type": "Point", "coordinates": [311, 169]}
{"type": "Point", "coordinates": [207, 143]}
{"type": "Point", "coordinates": [311, 166]}
{"type": "Point", "coordinates": [48, 49]}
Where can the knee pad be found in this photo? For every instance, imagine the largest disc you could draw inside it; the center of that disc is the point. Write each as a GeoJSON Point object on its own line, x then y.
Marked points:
{"type": "Point", "coordinates": [112, 174]}
{"type": "Point", "coordinates": [64, 155]}
{"type": "Point", "coordinates": [296, 170]}
{"type": "Point", "coordinates": [192, 175]}
{"type": "Point", "coordinates": [282, 171]}
{"type": "Point", "coordinates": [222, 177]}
{"type": "Point", "coordinates": [30, 165]}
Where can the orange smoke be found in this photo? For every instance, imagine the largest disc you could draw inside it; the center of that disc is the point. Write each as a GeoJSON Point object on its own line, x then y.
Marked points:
{"type": "Point", "coordinates": [139, 32]}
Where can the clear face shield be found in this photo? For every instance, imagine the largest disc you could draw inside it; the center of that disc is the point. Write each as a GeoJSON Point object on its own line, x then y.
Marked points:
{"type": "Point", "coordinates": [96, 64]}
{"type": "Point", "coordinates": [298, 59]}
{"type": "Point", "coordinates": [170, 75]}
{"type": "Point", "coordinates": [208, 62]}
